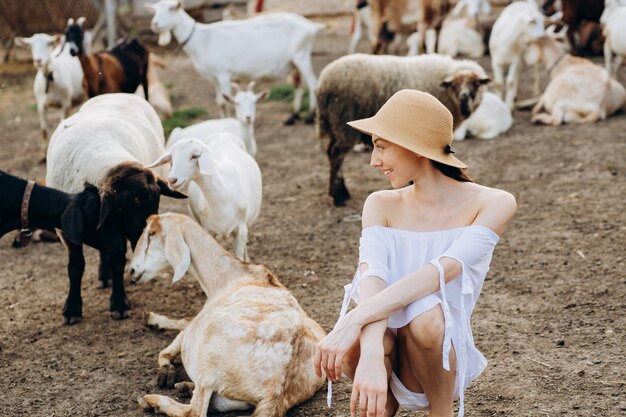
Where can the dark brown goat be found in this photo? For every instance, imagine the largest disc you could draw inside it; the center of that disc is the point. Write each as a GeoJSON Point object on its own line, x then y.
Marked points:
{"type": "Point", "coordinates": [121, 69]}
{"type": "Point", "coordinates": [103, 219]}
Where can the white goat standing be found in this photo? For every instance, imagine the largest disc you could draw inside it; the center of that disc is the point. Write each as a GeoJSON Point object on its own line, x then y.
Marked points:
{"type": "Point", "coordinates": [266, 46]}
{"type": "Point", "coordinates": [250, 345]}
{"type": "Point", "coordinates": [517, 26]}
{"type": "Point", "coordinates": [362, 17]}
{"type": "Point", "coordinates": [59, 78]}
{"type": "Point", "coordinates": [242, 126]}
{"type": "Point", "coordinates": [223, 182]}
{"type": "Point", "coordinates": [614, 21]}
{"type": "Point", "coordinates": [490, 119]}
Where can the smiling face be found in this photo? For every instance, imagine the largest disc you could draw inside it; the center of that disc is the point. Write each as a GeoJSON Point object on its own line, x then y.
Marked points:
{"type": "Point", "coordinates": [397, 164]}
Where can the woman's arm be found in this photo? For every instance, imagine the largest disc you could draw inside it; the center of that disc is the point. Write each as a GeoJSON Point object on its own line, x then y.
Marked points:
{"type": "Point", "coordinates": [495, 215]}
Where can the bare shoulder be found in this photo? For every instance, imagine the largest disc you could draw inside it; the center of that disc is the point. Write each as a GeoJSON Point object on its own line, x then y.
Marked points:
{"type": "Point", "coordinates": [377, 205]}
{"type": "Point", "coordinates": [497, 208]}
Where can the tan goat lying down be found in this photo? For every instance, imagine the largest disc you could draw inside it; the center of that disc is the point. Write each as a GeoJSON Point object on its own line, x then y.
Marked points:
{"type": "Point", "coordinates": [579, 90]}
{"type": "Point", "coordinates": [250, 345]}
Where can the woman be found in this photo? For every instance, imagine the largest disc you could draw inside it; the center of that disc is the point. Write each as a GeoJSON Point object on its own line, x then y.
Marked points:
{"type": "Point", "coordinates": [408, 342]}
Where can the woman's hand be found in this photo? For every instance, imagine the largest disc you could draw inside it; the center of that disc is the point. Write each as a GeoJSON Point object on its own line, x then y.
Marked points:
{"type": "Point", "coordinates": [369, 388]}
{"type": "Point", "coordinates": [330, 351]}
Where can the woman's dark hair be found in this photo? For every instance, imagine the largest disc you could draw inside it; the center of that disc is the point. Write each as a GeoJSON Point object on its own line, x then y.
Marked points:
{"type": "Point", "coordinates": [452, 172]}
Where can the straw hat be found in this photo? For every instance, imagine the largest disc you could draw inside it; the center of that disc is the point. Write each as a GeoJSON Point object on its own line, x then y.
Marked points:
{"type": "Point", "coordinates": [416, 121]}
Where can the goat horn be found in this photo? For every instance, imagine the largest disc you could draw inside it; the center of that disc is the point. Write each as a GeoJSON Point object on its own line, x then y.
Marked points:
{"type": "Point", "coordinates": [235, 87]}
{"type": "Point", "coordinates": [251, 85]}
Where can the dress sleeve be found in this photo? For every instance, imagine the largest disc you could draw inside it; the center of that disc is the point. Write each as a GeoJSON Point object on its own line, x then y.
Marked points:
{"type": "Point", "coordinates": [374, 252]}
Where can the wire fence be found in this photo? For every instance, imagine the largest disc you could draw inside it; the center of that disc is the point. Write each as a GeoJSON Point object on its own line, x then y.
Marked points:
{"type": "Point", "coordinates": [25, 17]}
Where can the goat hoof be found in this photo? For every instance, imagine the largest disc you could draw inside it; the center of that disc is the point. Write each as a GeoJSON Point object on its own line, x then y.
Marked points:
{"type": "Point", "coordinates": [145, 318]}
{"type": "Point", "coordinates": [166, 376]}
{"type": "Point", "coordinates": [292, 119]}
{"type": "Point", "coordinates": [104, 283]}
{"type": "Point", "coordinates": [310, 118]}
{"type": "Point", "coordinates": [69, 321]}
{"type": "Point", "coordinates": [144, 404]}
{"type": "Point", "coordinates": [42, 161]}
{"type": "Point", "coordinates": [185, 389]}
{"type": "Point", "coordinates": [120, 315]}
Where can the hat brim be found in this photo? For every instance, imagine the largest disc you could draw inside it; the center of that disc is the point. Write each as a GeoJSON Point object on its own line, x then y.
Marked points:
{"type": "Point", "coordinates": [373, 126]}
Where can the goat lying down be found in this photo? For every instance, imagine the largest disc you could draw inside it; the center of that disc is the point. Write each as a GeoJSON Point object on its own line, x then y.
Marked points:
{"type": "Point", "coordinates": [250, 345]}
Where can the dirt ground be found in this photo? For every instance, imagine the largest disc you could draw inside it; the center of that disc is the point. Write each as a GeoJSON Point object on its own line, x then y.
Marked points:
{"type": "Point", "coordinates": [550, 321]}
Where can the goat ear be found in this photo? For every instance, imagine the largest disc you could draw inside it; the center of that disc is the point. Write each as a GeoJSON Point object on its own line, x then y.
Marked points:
{"type": "Point", "coordinates": [81, 21]}
{"type": "Point", "coordinates": [107, 201]}
{"type": "Point", "coordinates": [22, 42]}
{"type": "Point", "coordinates": [484, 81]}
{"type": "Point", "coordinates": [167, 191]}
{"type": "Point", "coordinates": [177, 252]}
{"type": "Point", "coordinates": [72, 221]}
{"type": "Point", "coordinates": [205, 164]}
{"type": "Point", "coordinates": [228, 98]}
{"type": "Point", "coordinates": [235, 86]}
{"type": "Point", "coordinates": [262, 95]}
{"type": "Point", "coordinates": [56, 39]}
{"type": "Point", "coordinates": [179, 4]}
{"type": "Point", "coordinates": [447, 83]}
{"type": "Point", "coordinates": [164, 159]}
{"type": "Point", "coordinates": [70, 21]}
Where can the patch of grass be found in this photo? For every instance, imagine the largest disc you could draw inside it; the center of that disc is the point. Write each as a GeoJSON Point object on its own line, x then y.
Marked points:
{"type": "Point", "coordinates": [182, 118]}
{"type": "Point", "coordinates": [285, 92]}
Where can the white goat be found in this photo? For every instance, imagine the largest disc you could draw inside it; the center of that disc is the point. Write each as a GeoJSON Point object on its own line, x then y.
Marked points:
{"type": "Point", "coordinates": [59, 78]}
{"type": "Point", "coordinates": [157, 93]}
{"type": "Point", "coordinates": [614, 20]}
{"type": "Point", "coordinates": [579, 91]}
{"type": "Point", "coordinates": [266, 46]}
{"type": "Point", "coordinates": [490, 119]}
{"type": "Point", "coordinates": [241, 126]}
{"type": "Point", "coordinates": [223, 182]}
{"type": "Point", "coordinates": [517, 26]}
{"type": "Point", "coordinates": [250, 345]}
{"type": "Point", "coordinates": [362, 17]}
{"type": "Point", "coordinates": [459, 36]}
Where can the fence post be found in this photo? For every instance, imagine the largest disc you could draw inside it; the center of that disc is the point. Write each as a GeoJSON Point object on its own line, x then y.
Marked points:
{"type": "Point", "coordinates": [109, 8]}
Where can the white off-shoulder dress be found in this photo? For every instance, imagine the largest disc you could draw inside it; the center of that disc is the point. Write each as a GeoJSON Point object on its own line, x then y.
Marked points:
{"type": "Point", "coordinates": [391, 254]}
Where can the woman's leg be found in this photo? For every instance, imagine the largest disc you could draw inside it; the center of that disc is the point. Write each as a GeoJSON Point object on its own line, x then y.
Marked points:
{"type": "Point", "coordinates": [420, 347]}
{"type": "Point", "coordinates": [351, 360]}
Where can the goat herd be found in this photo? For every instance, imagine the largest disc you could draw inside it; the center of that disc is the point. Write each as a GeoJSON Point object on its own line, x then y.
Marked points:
{"type": "Point", "coordinates": [105, 164]}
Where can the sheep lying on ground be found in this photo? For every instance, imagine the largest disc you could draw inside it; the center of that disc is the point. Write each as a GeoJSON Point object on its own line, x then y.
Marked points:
{"type": "Point", "coordinates": [489, 120]}
{"type": "Point", "coordinates": [224, 185]}
{"type": "Point", "coordinates": [106, 143]}
{"type": "Point", "coordinates": [245, 102]}
{"type": "Point", "coordinates": [356, 86]}
{"type": "Point", "coordinates": [59, 78]}
{"type": "Point", "coordinates": [250, 345]}
{"type": "Point", "coordinates": [579, 90]}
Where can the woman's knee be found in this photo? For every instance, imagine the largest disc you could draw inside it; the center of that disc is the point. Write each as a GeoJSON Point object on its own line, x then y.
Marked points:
{"type": "Point", "coordinates": [427, 329]}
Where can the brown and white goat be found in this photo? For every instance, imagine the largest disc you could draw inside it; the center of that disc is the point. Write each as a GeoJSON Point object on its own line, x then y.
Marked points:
{"type": "Point", "coordinates": [121, 69]}
{"type": "Point", "coordinates": [579, 90]}
{"type": "Point", "coordinates": [250, 345]}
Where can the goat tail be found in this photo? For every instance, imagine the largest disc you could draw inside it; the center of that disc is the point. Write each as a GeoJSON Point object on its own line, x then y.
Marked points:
{"type": "Point", "coordinates": [270, 407]}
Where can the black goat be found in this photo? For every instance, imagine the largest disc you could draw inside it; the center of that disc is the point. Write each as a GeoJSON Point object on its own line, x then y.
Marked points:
{"type": "Point", "coordinates": [102, 219]}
